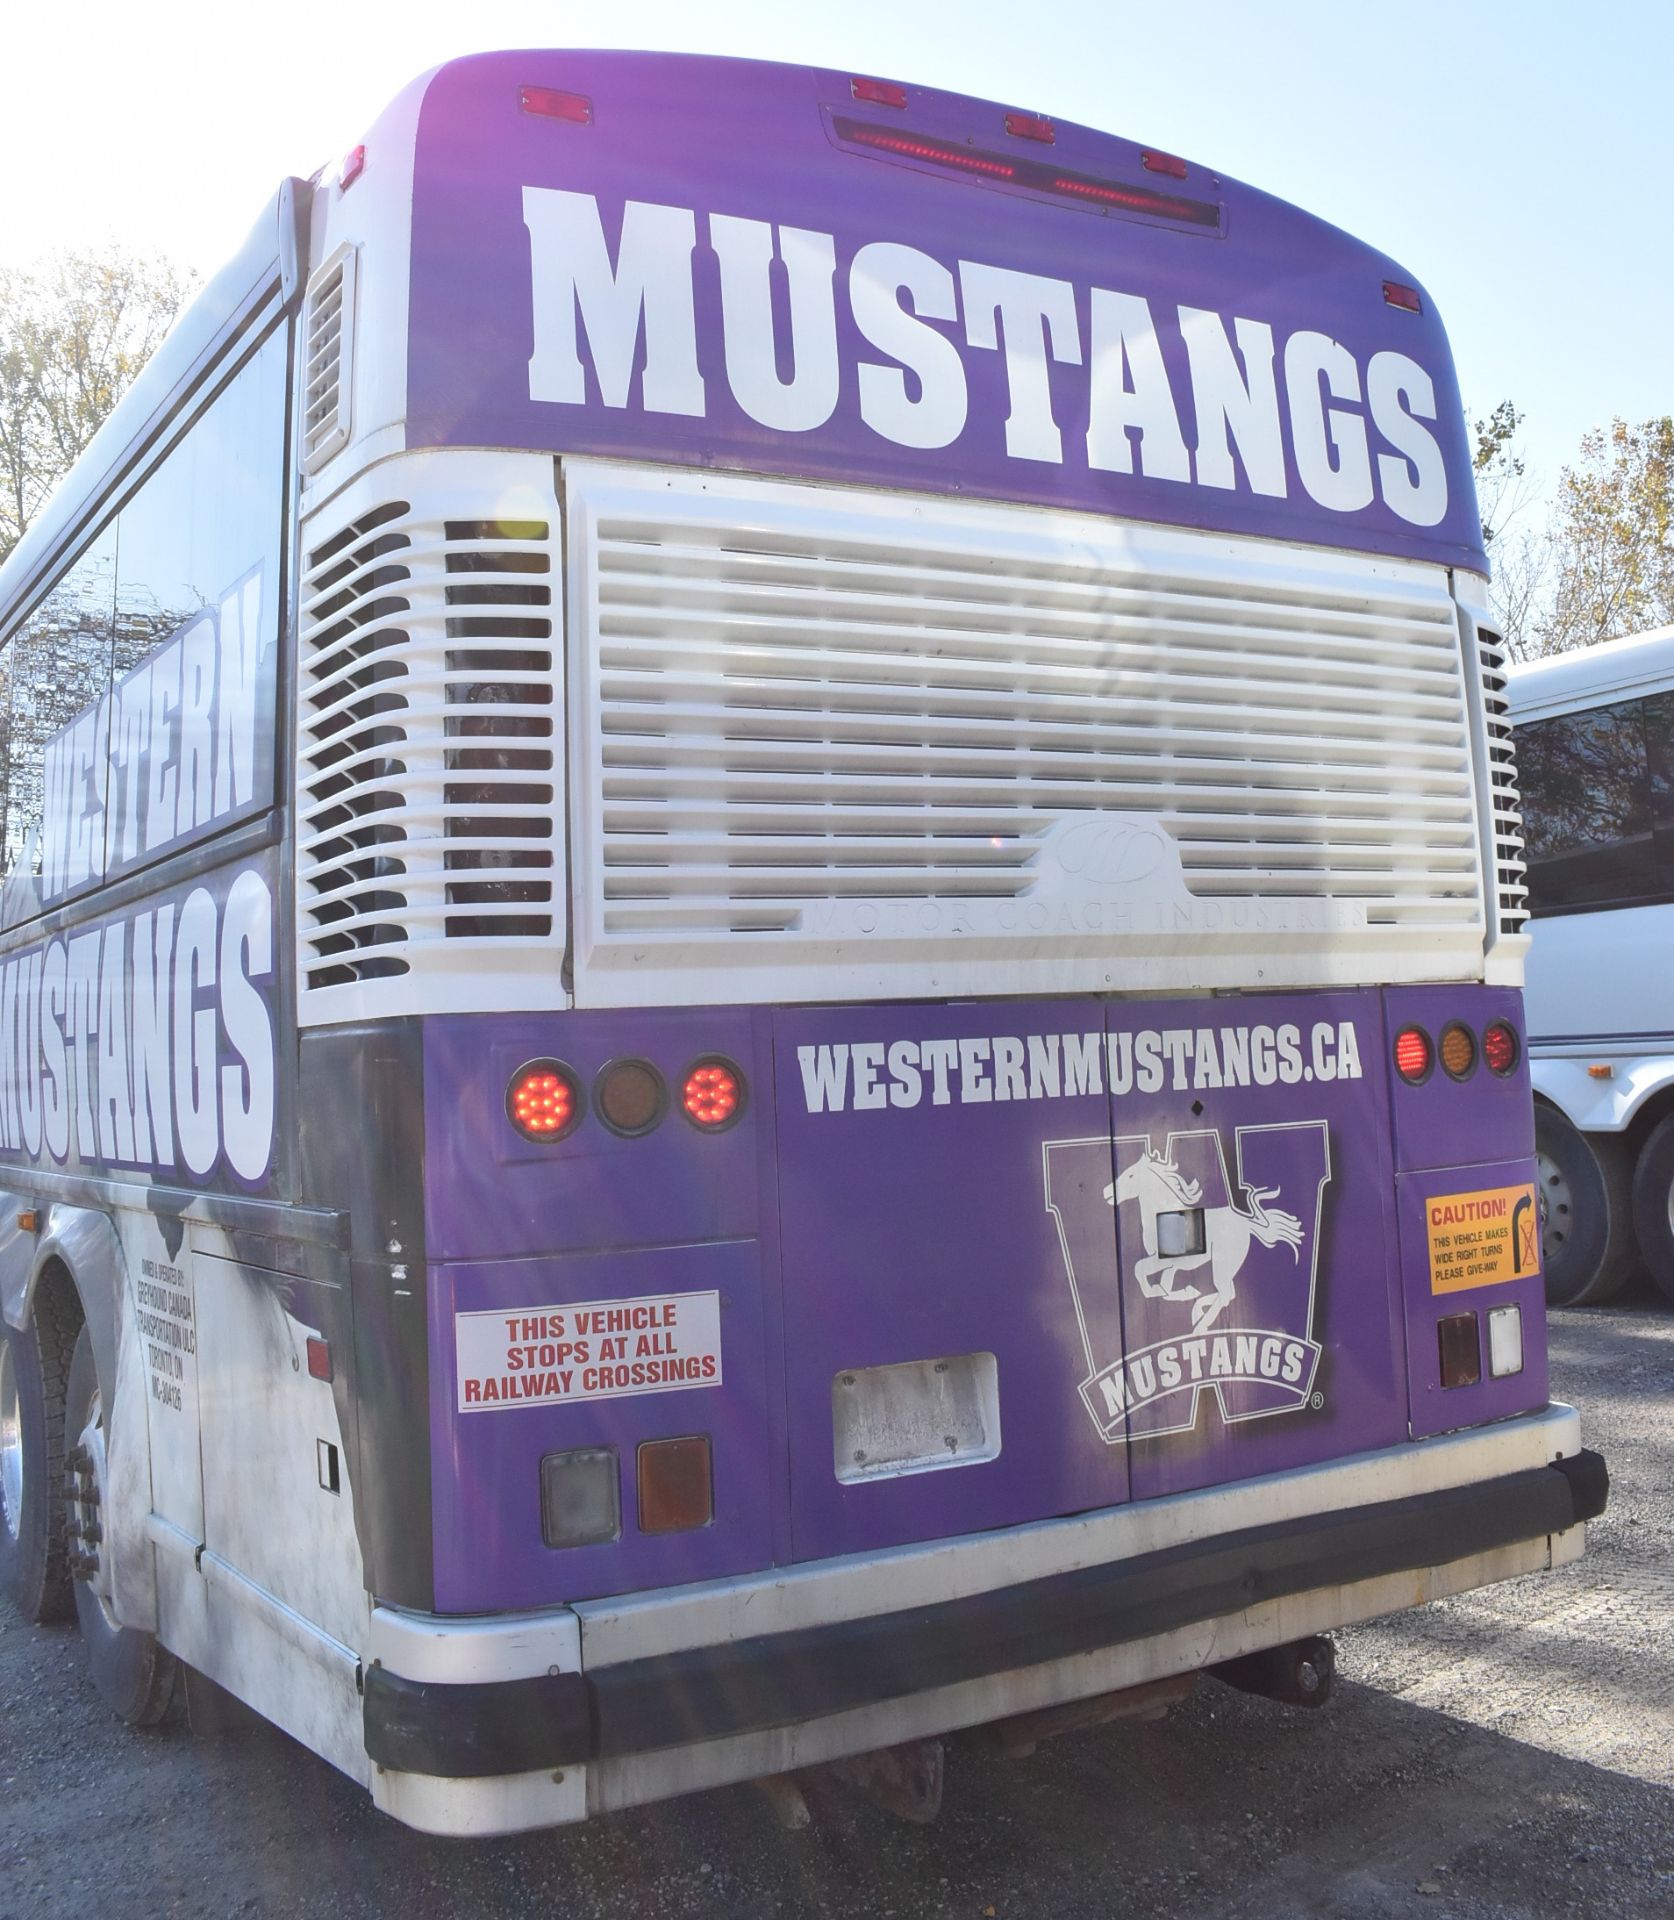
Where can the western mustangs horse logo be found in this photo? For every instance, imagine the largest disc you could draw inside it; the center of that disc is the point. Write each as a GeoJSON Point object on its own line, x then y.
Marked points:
{"type": "Point", "coordinates": [1157, 1186]}
{"type": "Point", "coordinates": [1189, 1280]}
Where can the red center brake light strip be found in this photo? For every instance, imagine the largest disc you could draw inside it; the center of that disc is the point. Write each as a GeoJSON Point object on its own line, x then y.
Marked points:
{"type": "Point", "coordinates": [1027, 173]}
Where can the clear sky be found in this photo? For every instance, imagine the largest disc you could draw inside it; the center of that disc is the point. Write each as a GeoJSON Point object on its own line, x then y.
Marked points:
{"type": "Point", "coordinates": [1516, 158]}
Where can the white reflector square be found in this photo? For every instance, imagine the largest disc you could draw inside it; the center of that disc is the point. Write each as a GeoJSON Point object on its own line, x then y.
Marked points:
{"type": "Point", "coordinates": [1505, 1341]}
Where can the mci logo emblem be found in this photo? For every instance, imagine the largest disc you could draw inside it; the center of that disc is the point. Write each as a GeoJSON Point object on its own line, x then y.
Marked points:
{"type": "Point", "coordinates": [1213, 1283]}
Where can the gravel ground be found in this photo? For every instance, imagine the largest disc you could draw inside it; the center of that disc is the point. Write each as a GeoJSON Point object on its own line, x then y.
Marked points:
{"type": "Point", "coordinates": [1506, 1753]}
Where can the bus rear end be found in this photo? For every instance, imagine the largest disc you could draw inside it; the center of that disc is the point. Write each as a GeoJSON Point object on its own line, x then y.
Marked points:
{"type": "Point", "coordinates": [905, 829]}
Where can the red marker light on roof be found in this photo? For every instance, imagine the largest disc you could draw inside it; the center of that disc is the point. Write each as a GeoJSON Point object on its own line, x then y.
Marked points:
{"type": "Point", "coordinates": [1413, 1055]}
{"type": "Point", "coordinates": [1031, 126]}
{"type": "Point", "coordinates": [543, 1101]}
{"type": "Point", "coordinates": [1168, 163]}
{"type": "Point", "coordinates": [712, 1096]}
{"type": "Point", "coordinates": [354, 165]}
{"type": "Point", "coordinates": [1405, 298]}
{"type": "Point", "coordinates": [554, 104]}
{"type": "Point", "coordinates": [881, 93]}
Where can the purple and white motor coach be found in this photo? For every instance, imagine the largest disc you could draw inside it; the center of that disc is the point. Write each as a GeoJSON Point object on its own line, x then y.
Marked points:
{"type": "Point", "coordinates": [760, 953]}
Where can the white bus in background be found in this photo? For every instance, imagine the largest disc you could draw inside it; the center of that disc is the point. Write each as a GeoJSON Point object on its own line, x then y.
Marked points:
{"type": "Point", "coordinates": [1595, 758]}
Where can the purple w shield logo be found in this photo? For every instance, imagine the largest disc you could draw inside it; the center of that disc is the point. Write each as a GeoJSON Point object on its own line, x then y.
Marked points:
{"type": "Point", "coordinates": [1188, 1280]}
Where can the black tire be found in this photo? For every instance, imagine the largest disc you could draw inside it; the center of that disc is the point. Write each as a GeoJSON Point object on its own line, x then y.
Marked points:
{"type": "Point", "coordinates": [1586, 1217]}
{"type": "Point", "coordinates": [133, 1673]}
{"type": "Point", "coordinates": [34, 1365]}
{"type": "Point", "coordinates": [1653, 1204]}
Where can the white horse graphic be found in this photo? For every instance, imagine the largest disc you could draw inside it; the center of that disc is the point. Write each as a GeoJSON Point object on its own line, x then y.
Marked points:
{"type": "Point", "coordinates": [1158, 1186]}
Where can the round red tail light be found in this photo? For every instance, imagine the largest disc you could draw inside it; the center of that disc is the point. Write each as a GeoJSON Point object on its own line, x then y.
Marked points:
{"type": "Point", "coordinates": [1413, 1055]}
{"type": "Point", "coordinates": [712, 1095]}
{"type": "Point", "coordinates": [1500, 1048]}
{"type": "Point", "coordinates": [1458, 1051]}
{"type": "Point", "coordinates": [629, 1096]}
{"type": "Point", "coordinates": [543, 1101]}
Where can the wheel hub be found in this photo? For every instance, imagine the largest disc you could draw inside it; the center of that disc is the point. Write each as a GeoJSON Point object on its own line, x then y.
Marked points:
{"type": "Point", "coordinates": [11, 1441]}
{"type": "Point", "coordinates": [84, 1482]}
{"type": "Point", "coordinates": [1556, 1206]}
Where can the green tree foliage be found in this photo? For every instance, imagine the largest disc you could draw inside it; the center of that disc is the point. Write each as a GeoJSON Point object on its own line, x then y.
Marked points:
{"type": "Point", "coordinates": [74, 331]}
{"type": "Point", "coordinates": [1612, 535]}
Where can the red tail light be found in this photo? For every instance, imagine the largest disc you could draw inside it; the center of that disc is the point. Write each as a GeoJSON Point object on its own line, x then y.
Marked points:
{"type": "Point", "coordinates": [543, 1101]}
{"type": "Point", "coordinates": [1414, 1056]}
{"type": "Point", "coordinates": [1500, 1048]}
{"type": "Point", "coordinates": [713, 1094]}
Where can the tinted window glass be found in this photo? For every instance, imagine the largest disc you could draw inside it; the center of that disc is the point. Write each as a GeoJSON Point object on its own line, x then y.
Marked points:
{"type": "Point", "coordinates": [197, 620]}
{"type": "Point", "coordinates": [1586, 808]}
{"type": "Point", "coordinates": [54, 679]}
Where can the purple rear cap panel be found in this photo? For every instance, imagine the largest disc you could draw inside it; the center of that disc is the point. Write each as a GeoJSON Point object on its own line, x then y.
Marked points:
{"type": "Point", "coordinates": [1177, 1225]}
{"type": "Point", "coordinates": [1013, 305]}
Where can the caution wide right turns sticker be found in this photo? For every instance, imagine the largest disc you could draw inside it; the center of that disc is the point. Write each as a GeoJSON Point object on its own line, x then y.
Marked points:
{"type": "Point", "coordinates": [1480, 1239]}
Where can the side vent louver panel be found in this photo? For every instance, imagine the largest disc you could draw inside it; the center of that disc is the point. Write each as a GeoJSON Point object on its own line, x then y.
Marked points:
{"type": "Point", "coordinates": [430, 867]}
{"type": "Point", "coordinates": [328, 361]}
{"type": "Point", "coordinates": [831, 743]}
{"type": "Point", "coordinates": [1511, 891]}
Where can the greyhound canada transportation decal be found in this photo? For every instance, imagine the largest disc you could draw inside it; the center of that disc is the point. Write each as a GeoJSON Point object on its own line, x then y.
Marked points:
{"type": "Point", "coordinates": [1218, 1271]}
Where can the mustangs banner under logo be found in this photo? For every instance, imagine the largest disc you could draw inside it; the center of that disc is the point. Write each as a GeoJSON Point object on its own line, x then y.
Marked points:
{"type": "Point", "coordinates": [1213, 1284]}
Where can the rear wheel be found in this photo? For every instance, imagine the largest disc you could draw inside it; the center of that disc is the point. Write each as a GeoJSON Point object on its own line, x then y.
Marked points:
{"type": "Point", "coordinates": [33, 1363]}
{"type": "Point", "coordinates": [1653, 1204]}
{"type": "Point", "coordinates": [133, 1673]}
{"type": "Point", "coordinates": [1586, 1219]}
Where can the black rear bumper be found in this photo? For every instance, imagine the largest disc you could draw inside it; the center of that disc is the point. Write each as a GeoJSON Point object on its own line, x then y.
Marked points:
{"type": "Point", "coordinates": [709, 1693]}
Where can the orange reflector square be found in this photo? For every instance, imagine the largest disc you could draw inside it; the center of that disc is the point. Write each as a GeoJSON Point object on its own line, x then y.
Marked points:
{"type": "Point", "coordinates": [676, 1488]}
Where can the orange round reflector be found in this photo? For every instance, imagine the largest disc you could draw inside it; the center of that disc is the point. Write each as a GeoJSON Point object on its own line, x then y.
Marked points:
{"type": "Point", "coordinates": [1412, 1055]}
{"type": "Point", "coordinates": [543, 1100]}
{"type": "Point", "coordinates": [629, 1096]}
{"type": "Point", "coordinates": [1500, 1048]}
{"type": "Point", "coordinates": [713, 1094]}
{"type": "Point", "coordinates": [1458, 1051]}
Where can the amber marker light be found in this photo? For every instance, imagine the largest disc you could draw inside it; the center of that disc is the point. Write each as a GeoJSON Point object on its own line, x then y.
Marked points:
{"type": "Point", "coordinates": [1458, 1051]}
{"type": "Point", "coordinates": [543, 1101]}
{"type": "Point", "coordinates": [629, 1096]}
{"type": "Point", "coordinates": [676, 1485]}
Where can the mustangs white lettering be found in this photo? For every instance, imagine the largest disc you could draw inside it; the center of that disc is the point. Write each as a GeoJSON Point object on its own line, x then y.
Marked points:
{"type": "Point", "coordinates": [146, 1041]}
{"type": "Point", "coordinates": [1053, 1066]}
{"type": "Point", "coordinates": [1354, 432]}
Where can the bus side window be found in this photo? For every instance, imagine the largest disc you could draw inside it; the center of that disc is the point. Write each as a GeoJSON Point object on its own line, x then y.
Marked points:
{"type": "Point", "coordinates": [54, 679]}
{"type": "Point", "coordinates": [1659, 748]}
{"type": "Point", "coordinates": [196, 625]}
{"type": "Point", "coordinates": [1587, 809]}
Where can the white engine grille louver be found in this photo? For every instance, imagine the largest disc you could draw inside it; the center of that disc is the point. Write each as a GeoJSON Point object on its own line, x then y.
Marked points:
{"type": "Point", "coordinates": [1511, 891]}
{"type": "Point", "coordinates": [429, 800]}
{"type": "Point", "coordinates": [328, 360]}
{"type": "Point", "coordinates": [828, 732]}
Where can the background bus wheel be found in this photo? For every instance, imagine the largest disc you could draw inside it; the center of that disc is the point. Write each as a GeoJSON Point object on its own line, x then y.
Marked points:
{"type": "Point", "coordinates": [1586, 1221]}
{"type": "Point", "coordinates": [1653, 1204]}
{"type": "Point", "coordinates": [134, 1675]}
{"type": "Point", "coordinates": [33, 1363]}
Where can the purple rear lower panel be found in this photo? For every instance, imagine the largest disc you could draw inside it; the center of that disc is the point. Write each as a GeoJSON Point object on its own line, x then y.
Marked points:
{"type": "Point", "coordinates": [1203, 1240]}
